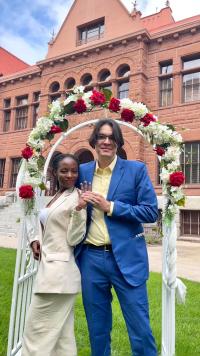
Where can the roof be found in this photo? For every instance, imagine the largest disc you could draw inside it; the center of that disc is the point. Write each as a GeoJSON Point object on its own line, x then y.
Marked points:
{"type": "Point", "coordinates": [9, 63]}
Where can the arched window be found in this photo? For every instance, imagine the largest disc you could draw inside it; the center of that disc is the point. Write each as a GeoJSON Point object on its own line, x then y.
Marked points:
{"type": "Point", "coordinates": [123, 73]}
{"type": "Point", "coordinates": [104, 75]}
{"type": "Point", "coordinates": [104, 79]}
{"type": "Point", "coordinates": [86, 79]}
{"type": "Point", "coordinates": [84, 156]}
{"type": "Point", "coordinates": [54, 91]}
{"type": "Point", "coordinates": [70, 83]}
{"type": "Point", "coordinates": [54, 87]}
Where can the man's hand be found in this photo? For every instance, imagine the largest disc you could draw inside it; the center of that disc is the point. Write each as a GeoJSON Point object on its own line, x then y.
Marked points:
{"type": "Point", "coordinates": [36, 249]}
{"type": "Point", "coordinates": [97, 200]}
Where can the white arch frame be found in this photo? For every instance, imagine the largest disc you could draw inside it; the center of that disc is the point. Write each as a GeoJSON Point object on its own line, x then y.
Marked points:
{"type": "Point", "coordinates": [24, 273]}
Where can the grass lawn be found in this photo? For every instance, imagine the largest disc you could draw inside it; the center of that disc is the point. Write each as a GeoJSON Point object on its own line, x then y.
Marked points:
{"type": "Point", "coordinates": [187, 316]}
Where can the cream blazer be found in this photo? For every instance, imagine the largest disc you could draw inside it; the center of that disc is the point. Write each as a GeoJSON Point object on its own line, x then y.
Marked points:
{"type": "Point", "coordinates": [65, 227]}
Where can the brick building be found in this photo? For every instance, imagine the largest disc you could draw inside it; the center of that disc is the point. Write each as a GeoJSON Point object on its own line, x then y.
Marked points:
{"type": "Point", "coordinates": [152, 59]}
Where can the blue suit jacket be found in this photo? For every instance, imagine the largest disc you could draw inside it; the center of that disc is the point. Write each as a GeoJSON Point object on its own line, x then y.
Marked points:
{"type": "Point", "coordinates": [135, 203]}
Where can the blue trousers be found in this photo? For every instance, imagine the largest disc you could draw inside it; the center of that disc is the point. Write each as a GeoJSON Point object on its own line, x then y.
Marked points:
{"type": "Point", "coordinates": [99, 273]}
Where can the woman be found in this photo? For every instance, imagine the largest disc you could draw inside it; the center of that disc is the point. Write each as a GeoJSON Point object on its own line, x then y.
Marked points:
{"type": "Point", "coordinates": [49, 327]}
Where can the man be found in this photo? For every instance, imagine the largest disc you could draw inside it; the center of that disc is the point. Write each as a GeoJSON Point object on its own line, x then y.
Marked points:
{"type": "Point", "coordinates": [114, 250]}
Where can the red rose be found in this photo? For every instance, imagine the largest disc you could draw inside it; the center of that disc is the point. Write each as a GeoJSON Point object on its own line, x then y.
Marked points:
{"type": "Point", "coordinates": [97, 98]}
{"type": "Point", "coordinates": [27, 152]}
{"type": "Point", "coordinates": [176, 179]}
{"type": "Point", "coordinates": [147, 119]}
{"type": "Point", "coordinates": [80, 106]}
{"type": "Point", "coordinates": [127, 115]}
{"type": "Point", "coordinates": [159, 150]}
{"type": "Point", "coordinates": [55, 129]}
{"type": "Point", "coordinates": [114, 105]}
{"type": "Point", "coordinates": [26, 191]}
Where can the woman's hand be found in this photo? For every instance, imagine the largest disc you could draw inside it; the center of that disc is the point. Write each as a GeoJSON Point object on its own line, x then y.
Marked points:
{"type": "Point", "coordinates": [36, 249]}
{"type": "Point", "coordinates": [85, 186]}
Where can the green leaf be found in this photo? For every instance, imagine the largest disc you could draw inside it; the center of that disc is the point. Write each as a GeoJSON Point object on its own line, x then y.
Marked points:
{"type": "Point", "coordinates": [40, 162]}
{"type": "Point", "coordinates": [49, 136]}
{"type": "Point", "coordinates": [107, 93]}
{"type": "Point", "coordinates": [171, 127]}
{"type": "Point", "coordinates": [42, 186]}
{"type": "Point", "coordinates": [63, 125]}
{"type": "Point", "coordinates": [181, 202]}
{"type": "Point", "coordinates": [69, 108]}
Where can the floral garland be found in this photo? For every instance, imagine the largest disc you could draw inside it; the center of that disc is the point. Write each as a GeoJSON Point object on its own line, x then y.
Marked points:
{"type": "Point", "coordinates": [166, 142]}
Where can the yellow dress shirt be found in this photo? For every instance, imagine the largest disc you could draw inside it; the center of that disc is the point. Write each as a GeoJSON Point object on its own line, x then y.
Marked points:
{"type": "Point", "coordinates": [98, 233]}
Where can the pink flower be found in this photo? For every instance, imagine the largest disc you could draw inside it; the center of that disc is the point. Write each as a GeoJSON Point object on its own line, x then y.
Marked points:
{"type": "Point", "coordinates": [114, 105]}
{"type": "Point", "coordinates": [97, 98]}
{"type": "Point", "coordinates": [147, 119]}
{"type": "Point", "coordinates": [80, 106]}
{"type": "Point", "coordinates": [176, 179]}
{"type": "Point", "coordinates": [27, 152]}
{"type": "Point", "coordinates": [127, 115]}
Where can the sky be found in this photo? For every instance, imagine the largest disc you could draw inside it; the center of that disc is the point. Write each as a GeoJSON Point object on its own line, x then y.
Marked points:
{"type": "Point", "coordinates": [26, 26]}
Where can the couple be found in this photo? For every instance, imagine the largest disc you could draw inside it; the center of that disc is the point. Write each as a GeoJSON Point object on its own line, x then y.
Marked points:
{"type": "Point", "coordinates": [111, 253]}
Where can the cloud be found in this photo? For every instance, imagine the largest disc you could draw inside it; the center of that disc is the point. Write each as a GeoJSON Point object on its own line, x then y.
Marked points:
{"type": "Point", "coordinates": [26, 26]}
{"type": "Point", "coordinates": [180, 9]}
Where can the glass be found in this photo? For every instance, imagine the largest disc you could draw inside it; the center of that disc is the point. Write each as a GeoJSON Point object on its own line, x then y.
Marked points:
{"type": "Point", "coordinates": [102, 137]}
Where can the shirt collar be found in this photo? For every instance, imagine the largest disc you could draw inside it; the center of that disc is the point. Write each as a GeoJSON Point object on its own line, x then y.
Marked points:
{"type": "Point", "coordinates": [110, 167]}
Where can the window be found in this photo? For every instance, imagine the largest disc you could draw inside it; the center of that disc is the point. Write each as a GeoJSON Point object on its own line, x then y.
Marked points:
{"type": "Point", "coordinates": [166, 91]}
{"type": "Point", "coordinates": [14, 171]}
{"type": "Point", "coordinates": [90, 32]}
{"type": "Point", "coordinates": [36, 96]}
{"type": "Point", "coordinates": [166, 83]}
{"type": "Point", "coordinates": [123, 71]}
{"type": "Point", "coordinates": [35, 114]}
{"type": "Point", "coordinates": [190, 223]}
{"type": "Point", "coordinates": [6, 124]}
{"type": "Point", "coordinates": [191, 87]}
{"type": "Point", "coordinates": [104, 76]}
{"type": "Point", "coordinates": [190, 162]}
{"type": "Point", "coordinates": [86, 79]}
{"type": "Point", "coordinates": [2, 171]}
{"type": "Point", "coordinates": [7, 103]}
{"type": "Point", "coordinates": [54, 97]}
{"type": "Point", "coordinates": [54, 87]}
{"type": "Point", "coordinates": [191, 79]}
{"type": "Point", "coordinates": [123, 84]}
{"type": "Point", "coordinates": [21, 118]}
{"type": "Point", "coordinates": [70, 83]}
{"type": "Point", "coordinates": [23, 100]}
{"type": "Point", "coordinates": [123, 90]}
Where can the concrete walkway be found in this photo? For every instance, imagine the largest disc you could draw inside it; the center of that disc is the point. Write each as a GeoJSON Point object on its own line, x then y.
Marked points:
{"type": "Point", "coordinates": [188, 257]}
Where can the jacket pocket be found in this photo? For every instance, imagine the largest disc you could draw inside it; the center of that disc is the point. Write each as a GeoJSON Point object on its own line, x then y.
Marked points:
{"type": "Point", "coordinates": [58, 256]}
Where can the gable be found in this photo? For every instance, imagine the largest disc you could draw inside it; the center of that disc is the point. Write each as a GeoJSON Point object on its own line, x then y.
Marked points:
{"type": "Point", "coordinates": [118, 22]}
{"type": "Point", "coordinates": [9, 63]}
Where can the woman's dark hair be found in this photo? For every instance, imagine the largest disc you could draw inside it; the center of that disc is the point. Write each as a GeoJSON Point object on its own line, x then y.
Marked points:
{"type": "Point", "coordinates": [59, 157]}
{"type": "Point", "coordinates": [117, 133]}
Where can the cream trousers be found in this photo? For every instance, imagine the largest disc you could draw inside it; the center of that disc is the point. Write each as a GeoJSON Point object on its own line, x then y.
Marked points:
{"type": "Point", "coordinates": [49, 329]}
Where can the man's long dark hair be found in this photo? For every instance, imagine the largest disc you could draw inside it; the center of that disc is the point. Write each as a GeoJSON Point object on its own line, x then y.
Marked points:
{"type": "Point", "coordinates": [116, 131]}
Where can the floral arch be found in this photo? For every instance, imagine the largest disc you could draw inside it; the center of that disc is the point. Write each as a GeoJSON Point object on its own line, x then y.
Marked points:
{"type": "Point", "coordinates": [165, 141]}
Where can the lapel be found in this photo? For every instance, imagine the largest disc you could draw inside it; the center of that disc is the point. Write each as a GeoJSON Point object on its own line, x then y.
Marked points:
{"type": "Point", "coordinates": [89, 174]}
{"type": "Point", "coordinates": [56, 203]}
{"type": "Point", "coordinates": [117, 174]}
